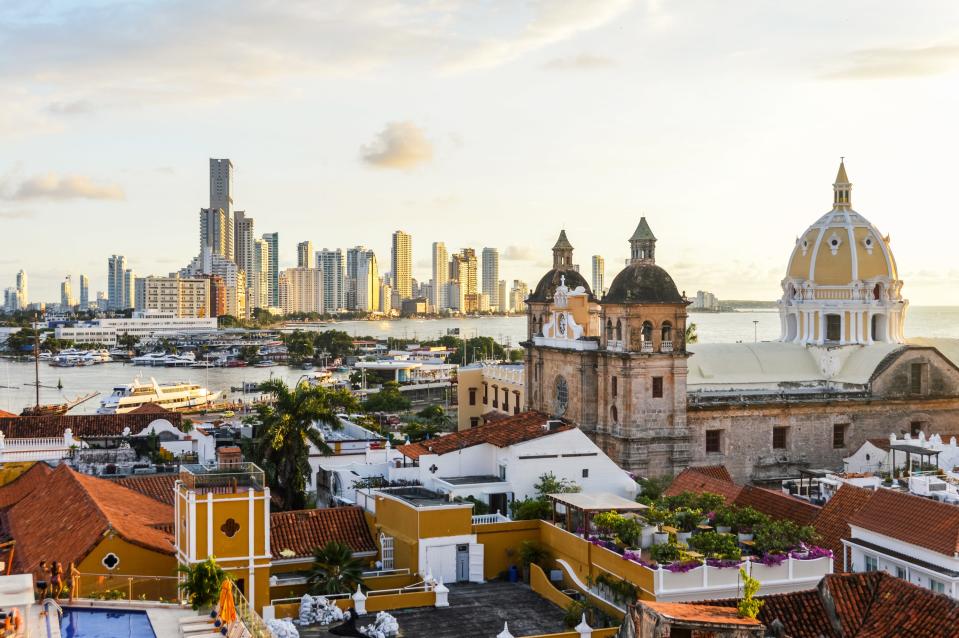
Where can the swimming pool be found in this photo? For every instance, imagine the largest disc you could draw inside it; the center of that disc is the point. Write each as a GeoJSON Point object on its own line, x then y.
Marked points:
{"type": "Point", "coordinates": [105, 623]}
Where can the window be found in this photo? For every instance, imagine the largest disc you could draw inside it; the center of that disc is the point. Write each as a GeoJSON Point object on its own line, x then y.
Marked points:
{"type": "Point", "coordinates": [506, 399]}
{"type": "Point", "coordinates": [833, 327]}
{"type": "Point", "coordinates": [614, 413]}
{"type": "Point", "coordinates": [915, 428]}
{"type": "Point", "coordinates": [713, 440]}
{"type": "Point", "coordinates": [657, 387]}
{"type": "Point", "coordinates": [495, 396]}
{"type": "Point", "coordinates": [110, 561]}
{"type": "Point", "coordinates": [230, 528]}
{"type": "Point", "coordinates": [647, 331]}
{"type": "Point", "coordinates": [915, 378]}
{"type": "Point", "coordinates": [779, 438]}
{"type": "Point", "coordinates": [872, 563]}
{"type": "Point", "coordinates": [900, 572]}
{"type": "Point", "coordinates": [562, 395]}
{"type": "Point", "coordinates": [474, 421]}
{"type": "Point", "coordinates": [615, 386]}
{"type": "Point", "coordinates": [502, 472]}
{"type": "Point", "coordinates": [839, 435]}
{"type": "Point", "coordinates": [472, 396]}
{"type": "Point", "coordinates": [937, 586]}
{"type": "Point", "coordinates": [486, 391]}
{"type": "Point", "coordinates": [585, 472]}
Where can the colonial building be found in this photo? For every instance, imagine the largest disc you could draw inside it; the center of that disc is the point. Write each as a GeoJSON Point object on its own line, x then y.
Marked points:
{"type": "Point", "coordinates": [841, 373]}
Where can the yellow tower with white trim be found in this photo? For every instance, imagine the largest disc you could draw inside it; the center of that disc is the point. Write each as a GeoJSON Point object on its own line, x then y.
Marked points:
{"type": "Point", "coordinates": [224, 511]}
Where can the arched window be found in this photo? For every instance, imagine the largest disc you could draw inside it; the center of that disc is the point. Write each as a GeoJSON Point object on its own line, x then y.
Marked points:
{"type": "Point", "coordinates": [614, 414]}
{"type": "Point", "coordinates": [877, 292]}
{"type": "Point", "coordinates": [647, 331]}
{"type": "Point", "coordinates": [609, 330]}
{"type": "Point", "coordinates": [614, 386]}
{"type": "Point", "coordinates": [666, 332]}
{"type": "Point", "coordinates": [619, 330]}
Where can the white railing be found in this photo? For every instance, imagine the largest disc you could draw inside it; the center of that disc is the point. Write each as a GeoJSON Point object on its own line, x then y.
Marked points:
{"type": "Point", "coordinates": [791, 575]}
{"type": "Point", "coordinates": [666, 346]}
{"type": "Point", "coordinates": [488, 519]}
{"type": "Point", "coordinates": [646, 346]}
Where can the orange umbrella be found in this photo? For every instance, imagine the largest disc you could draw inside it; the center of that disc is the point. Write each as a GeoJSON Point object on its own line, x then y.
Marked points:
{"type": "Point", "coordinates": [227, 608]}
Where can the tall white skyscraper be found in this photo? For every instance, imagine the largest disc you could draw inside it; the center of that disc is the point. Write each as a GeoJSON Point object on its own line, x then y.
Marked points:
{"type": "Point", "coordinates": [221, 185]}
{"type": "Point", "coordinates": [304, 254]}
{"type": "Point", "coordinates": [441, 276]}
{"type": "Point", "coordinates": [258, 279]}
{"type": "Point", "coordinates": [333, 265]}
{"type": "Point", "coordinates": [116, 264]}
{"type": "Point", "coordinates": [217, 232]}
{"type": "Point", "coordinates": [599, 276]}
{"type": "Point", "coordinates": [273, 290]}
{"type": "Point", "coordinates": [66, 292]}
{"type": "Point", "coordinates": [301, 290]}
{"type": "Point", "coordinates": [491, 276]}
{"type": "Point", "coordinates": [129, 288]}
{"type": "Point", "coordinates": [367, 282]}
{"type": "Point", "coordinates": [84, 292]}
{"type": "Point", "coordinates": [23, 295]}
{"type": "Point", "coordinates": [243, 237]}
{"type": "Point", "coordinates": [402, 264]}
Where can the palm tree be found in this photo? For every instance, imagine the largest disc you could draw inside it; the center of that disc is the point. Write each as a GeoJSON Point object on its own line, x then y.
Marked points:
{"type": "Point", "coordinates": [691, 336]}
{"type": "Point", "coordinates": [334, 570]}
{"type": "Point", "coordinates": [284, 430]}
{"type": "Point", "coordinates": [201, 583]}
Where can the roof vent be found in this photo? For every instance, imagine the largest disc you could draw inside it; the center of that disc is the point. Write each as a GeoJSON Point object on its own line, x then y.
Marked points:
{"type": "Point", "coordinates": [552, 425]}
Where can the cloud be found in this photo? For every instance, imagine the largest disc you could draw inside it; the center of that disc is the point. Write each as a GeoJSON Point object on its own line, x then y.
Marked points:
{"type": "Point", "coordinates": [400, 145]}
{"type": "Point", "coordinates": [893, 62]}
{"type": "Point", "coordinates": [521, 253]}
{"type": "Point", "coordinates": [64, 187]}
{"type": "Point", "coordinates": [581, 62]}
{"type": "Point", "coordinates": [74, 107]}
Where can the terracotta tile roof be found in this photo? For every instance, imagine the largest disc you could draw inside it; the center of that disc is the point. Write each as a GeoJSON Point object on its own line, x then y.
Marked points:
{"type": "Point", "coordinates": [149, 408]}
{"type": "Point", "coordinates": [22, 486]}
{"type": "Point", "coordinates": [68, 514]}
{"type": "Point", "coordinates": [157, 486]}
{"type": "Point", "coordinates": [302, 531]}
{"type": "Point", "coordinates": [525, 426]}
{"type": "Point", "coordinates": [5, 414]}
{"type": "Point", "coordinates": [778, 505]}
{"type": "Point", "coordinates": [715, 471]}
{"type": "Point", "coordinates": [911, 519]}
{"type": "Point", "coordinates": [697, 613]}
{"type": "Point", "coordinates": [692, 480]}
{"type": "Point", "coordinates": [832, 523]}
{"type": "Point", "coordinates": [82, 425]}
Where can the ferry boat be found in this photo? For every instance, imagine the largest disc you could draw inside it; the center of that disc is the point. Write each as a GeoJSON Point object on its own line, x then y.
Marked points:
{"type": "Point", "coordinates": [172, 396]}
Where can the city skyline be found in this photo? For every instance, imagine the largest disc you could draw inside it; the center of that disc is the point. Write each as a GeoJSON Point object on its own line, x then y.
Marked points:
{"type": "Point", "coordinates": [728, 188]}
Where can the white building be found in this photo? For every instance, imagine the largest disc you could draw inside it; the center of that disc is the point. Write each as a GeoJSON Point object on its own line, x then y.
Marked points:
{"type": "Point", "coordinates": [441, 275]}
{"type": "Point", "coordinates": [116, 264]}
{"type": "Point", "coordinates": [366, 282]}
{"type": "Point", "coordinates": [599, 276]}
{"type": "Point", "coordinates": [273, 279]}
{"type": "Point", "coordinates": [129, 288]}
{"type": "Point", "coordinates": [217, 232]}
{"type": "Point", "coordinates": [66, 293]}
{"type": "Point", "coordinates": [174, 295]}
{"type": "Point", "coordinates": [23, 296]}
{"type": "Point", "coordinates": [243, 238]}
{"type": "Point", "coordinates": [517, 295]}
{"type": "Point", "coordinates": [304, 254]}
{"type": "Point", "coordinates": [142, 324]}
{"type": "Point", "coordinates": [879, 456]}
{"type": "Point", "coordinates": [209, 262]}
{"type": "Point", "coordinates": [333, 265]}
{"type": "Point", "coordinates": [402, 264]}
{"type": "Point", "coordinates": [491, 278]}
{"type": "Point", "coordinates": [301, 290]}
{"type": "Point", "coordinates": [258, 279]}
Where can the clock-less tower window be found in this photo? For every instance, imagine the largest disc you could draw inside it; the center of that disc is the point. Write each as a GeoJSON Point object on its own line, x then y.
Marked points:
{"type": "Point", "coordinates": [561, 396]}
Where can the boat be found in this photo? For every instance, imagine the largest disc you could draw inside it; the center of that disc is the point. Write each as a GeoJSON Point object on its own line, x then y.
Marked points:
{"type": "Point", "coordinates": [151, 359]}
{"type": "Point", "coordinates": [56, 409]}
{"type": "Point", "coordinates": [203, 364]}
{"type": "Point", "coordinates": [307, 366]}
{"type": "Point", "coordinates": [172, 396]}
{"type": "Point", "coordinates": [179, 360]}
{"type": "Point", "coordinates": [266, 363]}
{"type": "Point", "coordinates": [235, 363]}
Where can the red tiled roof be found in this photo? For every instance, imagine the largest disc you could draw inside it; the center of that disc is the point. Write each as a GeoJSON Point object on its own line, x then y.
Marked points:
{"type": "Point", "coordinates": [715, 471]}
{"type": "Point", "coordinates": [81, 425]}
{"type": "Point", "coordinates": [778, 505]}
{"type": "Point", "coordinates": [68, 514]}
{"type": "Point", "coordinates": [302, 531]}
{"type": "Point", "coordinates": [832, 523]}
{"type": "Point", "coordinates": [5, 414]}
{"type": "Point", "coordinates": [692, 480]}
{"type": "Point", "coordinates": [911, 519]}
{"type": "Point", "coordinates": [698, 613]}
{"type": "Point", "coordinates": [22, 486]}
{"type": "Point", "coordinates": [525, 426]}
{"type": "Point", "coordinates": [149, 408]}
{"type": "Point", "coordinates": [159, 487]}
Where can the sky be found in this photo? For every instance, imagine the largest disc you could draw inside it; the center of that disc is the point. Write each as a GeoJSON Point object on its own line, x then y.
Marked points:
{"type": "Point", "coordinates": [479, 124]}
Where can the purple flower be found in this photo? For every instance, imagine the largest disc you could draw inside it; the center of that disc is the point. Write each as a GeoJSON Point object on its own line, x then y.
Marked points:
{"type": "Point", "coordinates": [811, 553]}
{"type": "Point", "coordinates": [773, 560]}
{"type": "Point", "coordinates": [723, 563]}
{"type": "Point", "coordinates": [684, 566]}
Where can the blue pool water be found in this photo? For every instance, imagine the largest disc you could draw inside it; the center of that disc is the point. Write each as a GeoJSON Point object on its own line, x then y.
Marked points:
{"type": "Point", "coordinates": [105, 623]}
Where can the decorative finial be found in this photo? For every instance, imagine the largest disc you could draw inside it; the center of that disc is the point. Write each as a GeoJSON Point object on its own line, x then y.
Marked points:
{"type": "Point", "coordinates": [562, 280]}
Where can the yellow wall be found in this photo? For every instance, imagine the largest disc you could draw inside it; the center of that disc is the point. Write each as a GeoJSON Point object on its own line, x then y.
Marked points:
{"type": "Point", "coordinates": [447, 521]}
{"type": "Point", "coordinates": [873, 265]}
{"type": "Point", "coordinates": [834, 269]}
{"type": "Point", "coordinates": [799, 267]}
{"type": "Point", "coordinates": [134, 561]}
{"type": "Point", "coordinates": [501, 543]}
{"type": "Point", "coordinates": [467, 378]}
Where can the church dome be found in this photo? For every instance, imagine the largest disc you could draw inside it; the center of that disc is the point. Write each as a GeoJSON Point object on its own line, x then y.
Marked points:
{"type": "Point", "coordinates": [643, 283]}
{"type": "Point", "coordinates": [842, 247]}
{"type": "Point", "coordinates": [562, 267]}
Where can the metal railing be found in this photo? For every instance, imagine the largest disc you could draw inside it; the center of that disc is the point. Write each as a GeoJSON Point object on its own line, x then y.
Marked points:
{"type": "Point", "coordinates": [247, 615]}
{"type": "Point", "coordinates": [646, 346]}
{"type": "Point", "coordinates": [234, 475]}
{"type": "Point", "coordinates": [129, 587]}
{"type": "Point", "coordinates": [666, 346]}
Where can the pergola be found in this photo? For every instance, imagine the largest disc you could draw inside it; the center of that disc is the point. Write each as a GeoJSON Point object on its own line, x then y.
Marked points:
{"type": "Point", "coordinates": [909, 449]}
{"type": "Point", "coordinates": [588, 505]}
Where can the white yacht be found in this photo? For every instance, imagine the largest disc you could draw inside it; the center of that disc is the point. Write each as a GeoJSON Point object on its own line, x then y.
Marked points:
{"type": "Point", "coordinates": [151, 359]}
{"type": "Point", "coordinates": [179, 360]}
{"type": "Point", "coordinates": [172, 396]}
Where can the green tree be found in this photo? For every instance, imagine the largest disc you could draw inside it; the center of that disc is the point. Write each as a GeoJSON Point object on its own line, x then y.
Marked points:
{"type": "Point", "coordinates": [416, 430]}
{"type": "Point", "coordinates": [299, 344]}
{"type": "Point", "coordinates": [127, 340]}
{"type": "Point", "coordinates": [748, 606]}
{"type": "Point", "coordinates": [228, 321]}
{"type": "Point", "coordinates": [201, 583]}
{"type": "Point", "coordinates": [334, 570]}
{"type": "Point", "coordinates": [691, 336]}
{"type": "Point", "coordinates": [388, 399]}
{"type": "Point", "coordinates": [284, 431]}
{"type": "Point", "coordinates": [335, 342]}
{"type": "Point", "coordinates": [549, 484]}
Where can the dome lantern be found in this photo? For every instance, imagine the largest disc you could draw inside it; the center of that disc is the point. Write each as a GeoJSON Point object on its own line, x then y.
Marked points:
{"type": "Point", "coordinates": [842, 188]}
{"type": "Point", "coordinates": [642, 245]}
{"type": "Point", "coordinates": [562, 252]}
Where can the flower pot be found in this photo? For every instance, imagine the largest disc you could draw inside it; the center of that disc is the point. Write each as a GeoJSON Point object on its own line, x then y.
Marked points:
{"type": "Point", "coordinates": [683, 537]}
{"type": "Point", "coordinates": [660, 538]}
{"type": "Point", "coordinates": [646, 539]}
{"type": "Point", "coordinates": [744, 537]}
{"type": "Point", "coordinates": [723, 529]}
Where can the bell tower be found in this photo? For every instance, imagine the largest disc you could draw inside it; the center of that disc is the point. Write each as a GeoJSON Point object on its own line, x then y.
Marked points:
{"type": "Point", "coordinates": [562, 253]}
{"type": "Point", "coordinates": [842, 188]}
{"type": "Point", "coordinates": [642, 245]}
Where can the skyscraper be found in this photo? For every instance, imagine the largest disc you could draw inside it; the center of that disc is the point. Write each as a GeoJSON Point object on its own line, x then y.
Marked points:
{"type": "Point", "coordinates": [503, 296]}
{"type": "Point", "coordinates": [217, 232]}
{"type": "Point", "coordinates": [441, 275]}
{"type": "Point", "coordinates": [402, 264]}
{"type": "Point", "coordinates": [259, 277]}
{"type": "Point", "coordinates": [129, 288]}
{"type": "Point", "coordinates": [518, 294]}
{"type": "Point", "coordinates": [23, 297]}
{"type": "Point", "coordinates": [116, 264]}
{"type": "Point", "coordinates": [301, 290]}
{"type": "Point", "coordinates": [221, 185]}
{"type": "Point", "coordinates": [243, 241]}
{"type": "Point", "coordinates": [84, 292]}
{"type": "Point", "coordinates": [367, 282]}
{"type": "Point", "coordinates": [66, 293]}
{"type": "Point", "coordinates": [272, 283]}
{"type": "Point", "coordinates": [463, 269]}
{"type": "Point", "coordinates": [491, 276]}
{"type": "Point", "coordinates": [599, 275]}
{"type": "Point", "coordinates": [304, 254]}
{"type": "Point", "coordinates": [333, 265]}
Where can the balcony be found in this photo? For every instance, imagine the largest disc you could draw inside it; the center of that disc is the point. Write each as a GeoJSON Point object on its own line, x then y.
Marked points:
{"type": "Point", "coordinates": [666, 346]}
{"type": "Point", "coordinates": [222, 478]}
{"type": "Point", "coordinates": [489, 519]}
{"type": "Point", "coordinates": [646, 346]}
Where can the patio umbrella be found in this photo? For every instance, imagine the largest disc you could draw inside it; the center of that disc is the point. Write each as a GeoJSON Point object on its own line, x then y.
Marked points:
{"type": "Point", "coordinates": [227, 608]}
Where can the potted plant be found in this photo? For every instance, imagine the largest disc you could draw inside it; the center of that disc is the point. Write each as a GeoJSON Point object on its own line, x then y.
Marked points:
{"type": "Point", "coordinates": [686, 522]}
{"type": "Point", "coordinates": [716, 545]}
{"type": "Point", "coordinates": [201, 583]}
{"type": "Point", "coordinates": [533, 552]}
{"type": "Point", "coordinates": [724, 519]}
{"type": "Point", "coordinates": [665, 554]}
{"type": "Point", "coordinates": [746, 519]}
{"type": "Point", "coordinates": [659, 518]}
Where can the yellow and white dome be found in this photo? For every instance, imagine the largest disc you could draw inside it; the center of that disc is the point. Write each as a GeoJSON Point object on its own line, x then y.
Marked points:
{"type": "Point", "coordinates": [842, 285]}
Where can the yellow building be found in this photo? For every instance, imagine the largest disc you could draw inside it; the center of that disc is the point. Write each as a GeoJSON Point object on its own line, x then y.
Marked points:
{"type": "Point", "coordinates": [486, 392]}
{"type": "Point", "coordinates": [225, 513]}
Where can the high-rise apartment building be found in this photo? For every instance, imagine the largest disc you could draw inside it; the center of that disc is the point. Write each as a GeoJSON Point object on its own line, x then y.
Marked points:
{"type": "Point", "coordinates": [599, 276]}
{"type": "Point", "coordinates": [217, 232]}
{"type": "Point", "coordinates": [221, 185]}
{"type": "Point", "coordinates": [23, 296]}
{"type": "Point", "coordinates": [243, 237]}
{"type": "Point", "coordinates": [491, 276]}
{"type": "Point", "coordinates": [301, 290]}
{"type": "Point", "coordinates": [402, 264]}
{"type": "Point", "coordinates": [518, 294]}
{"type": "Point", "coordinates": [66, 293]}
{"type": "Point", "coordinates": [129, 288]}
{"type": "Point", "coordinates": [463, 269]}
{"type": "Point", "coordinates": [180, 296]}
{"type": "Point", "coordinates": [441, 276]}
{"type": "Point", "coordinates": [116, 264]}
{"type": "Point", "coordinates": [367, 282]}
{"type": "Point", "coordinates": [234, 281]}
{"type": "Point", "coordinates": [333, 265]}
{"type": "Point", "coordinates": [353, 258]}
{"type": "Point", "coordinates": [11, 302]}
{"type": "Point", "coordinates": [84, 292]}
{"type": "Point", "coordinates": [503, 296]}
{"type": "Point", "coordinates": [386, 298]}
{"type": "Point", "coordinates": [258, 279]}
{"type": "Point", "coordinates": [304, 254]}
{"type": "Point", "coordinates": [273, 269]}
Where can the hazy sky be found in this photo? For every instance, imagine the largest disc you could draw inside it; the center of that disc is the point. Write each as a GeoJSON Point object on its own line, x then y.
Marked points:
{"type": "Point", "coordinates": [479, 124]}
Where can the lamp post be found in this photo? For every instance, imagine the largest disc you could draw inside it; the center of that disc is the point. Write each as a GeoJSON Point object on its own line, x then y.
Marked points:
{"type": "Point", "coordinates": [755, 330]}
